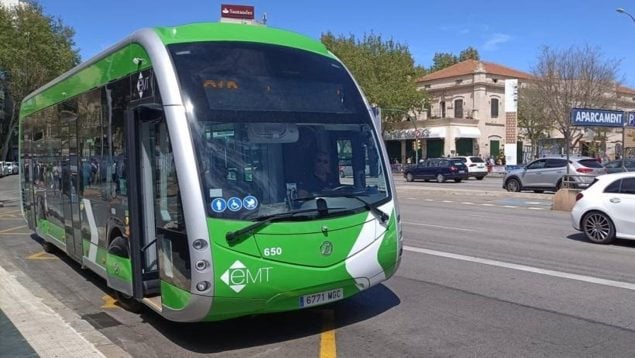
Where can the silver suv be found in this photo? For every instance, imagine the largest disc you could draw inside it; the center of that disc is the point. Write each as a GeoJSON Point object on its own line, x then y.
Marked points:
{"type": "Point", "coordinates": [549, 174]}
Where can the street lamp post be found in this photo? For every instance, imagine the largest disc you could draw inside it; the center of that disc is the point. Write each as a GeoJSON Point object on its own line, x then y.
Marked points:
{"type": "Point", "coordinates": [413, 120]}
{"type": "Point", "coordinates": [622, 11]}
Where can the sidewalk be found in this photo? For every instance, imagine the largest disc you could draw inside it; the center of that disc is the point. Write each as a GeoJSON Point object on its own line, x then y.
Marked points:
{"type": "Point", "coordinates": [34, 323]}
{"type": "Point", "coordinates": [13, 344]}
{"type": "Point", "coordinates": [40, 326]}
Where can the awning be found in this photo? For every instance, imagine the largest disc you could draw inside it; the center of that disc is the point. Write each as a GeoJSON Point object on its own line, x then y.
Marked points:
{"type": "Point", "coordinates": [466, 132]}
{"type": "Point", "coordinates": [424, 133]}
{"type": "Point", "coordinates": [435, 132]}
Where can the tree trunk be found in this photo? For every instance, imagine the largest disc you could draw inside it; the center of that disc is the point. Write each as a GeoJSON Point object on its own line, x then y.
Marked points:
{"type": "Point", "coordinates": [7, 137]}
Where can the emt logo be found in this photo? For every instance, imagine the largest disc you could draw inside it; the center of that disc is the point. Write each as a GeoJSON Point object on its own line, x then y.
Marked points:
{"type": "Point", "coordinates": [238, 276]}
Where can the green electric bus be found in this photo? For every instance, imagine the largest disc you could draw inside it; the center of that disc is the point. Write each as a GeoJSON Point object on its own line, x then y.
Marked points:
{"type": "Point", "coordinates": [197, 169]}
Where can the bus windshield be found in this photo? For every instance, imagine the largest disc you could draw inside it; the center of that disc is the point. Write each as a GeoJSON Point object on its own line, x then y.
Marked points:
{"type": "Point", "coordinates": [278, 129]}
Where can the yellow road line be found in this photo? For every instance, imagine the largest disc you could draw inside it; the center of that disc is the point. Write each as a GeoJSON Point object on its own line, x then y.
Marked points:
{"type": "Point", "coordinates": [109, 302]}
{"type": "Point", "coordinates": [13, 228]}
{"type": "Point", "coordinates": [327, 338]}
{"type": "Point", "coordinates": [42, 256]}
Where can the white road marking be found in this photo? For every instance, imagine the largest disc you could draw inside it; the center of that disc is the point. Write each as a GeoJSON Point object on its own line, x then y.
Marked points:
{"type": "Point", "coordinates": [488, 204]}
{"type": "Point", "coordinates": [571, 276]}
{"type": "Point", "coordinates": [439, 226]}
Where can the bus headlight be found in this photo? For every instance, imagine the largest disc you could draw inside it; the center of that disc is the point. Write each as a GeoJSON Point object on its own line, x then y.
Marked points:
{"type": "Point", "coordinates": [201, 265]}
{"type": "Point", "coordinates": [199, 244]}
{"type": "Point", "coordinates": [202, 286]}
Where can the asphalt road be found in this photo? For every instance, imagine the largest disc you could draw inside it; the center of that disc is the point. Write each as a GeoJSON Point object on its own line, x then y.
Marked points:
{"type": "Point", "coordinates": [485, 273]}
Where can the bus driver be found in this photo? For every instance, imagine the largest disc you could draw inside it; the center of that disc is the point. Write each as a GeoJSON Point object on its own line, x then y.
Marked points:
{"type": "Point", "coordinates": [321, 177]}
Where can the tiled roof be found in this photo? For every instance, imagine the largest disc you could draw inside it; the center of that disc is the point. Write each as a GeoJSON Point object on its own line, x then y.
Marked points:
{"type": "Point", "coordinates": [469, 66]}
{"type": "Point", "coordinates": [622, 89]}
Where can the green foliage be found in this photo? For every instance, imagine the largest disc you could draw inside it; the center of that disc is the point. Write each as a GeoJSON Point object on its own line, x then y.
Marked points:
{"type": "Point", "coordinates": [384, 69]}
{"type": "Point", "coordinates": [442, 60]}
{"type": "Point", "coordinates": [34, 49]}
{"type": "Point", "coordinates": [469, 53]}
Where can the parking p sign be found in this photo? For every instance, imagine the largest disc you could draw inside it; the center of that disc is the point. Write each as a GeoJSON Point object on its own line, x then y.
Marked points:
{"type": "Point", "coordinates": [631, 119]}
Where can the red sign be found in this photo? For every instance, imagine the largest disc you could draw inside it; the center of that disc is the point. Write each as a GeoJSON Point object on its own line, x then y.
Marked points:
{"type": "Point", "coordinates": [237, 11]}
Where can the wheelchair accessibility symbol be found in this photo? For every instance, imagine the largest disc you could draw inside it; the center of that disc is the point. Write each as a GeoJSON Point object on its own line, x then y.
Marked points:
{"type": "Point", "coordinates": [234, 204]}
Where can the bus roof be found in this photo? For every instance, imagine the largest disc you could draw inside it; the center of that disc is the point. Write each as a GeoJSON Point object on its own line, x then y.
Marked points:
{"type": "Point", "coordinates": [115, 63]}
{"type": "Point", "coordinates": [238, 32]}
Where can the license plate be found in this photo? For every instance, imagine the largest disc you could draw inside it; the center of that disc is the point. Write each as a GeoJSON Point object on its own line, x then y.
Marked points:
{"type": "Point", "coordinates": [320, 298]}
{"type": "Point", "coordinates": [461, 171]}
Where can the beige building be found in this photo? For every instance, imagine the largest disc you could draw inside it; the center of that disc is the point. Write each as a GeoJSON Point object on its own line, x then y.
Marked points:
{"type": "Point", "coordinates": [10, 3]}
{"type": "Point", "coordinates": [467, 115]}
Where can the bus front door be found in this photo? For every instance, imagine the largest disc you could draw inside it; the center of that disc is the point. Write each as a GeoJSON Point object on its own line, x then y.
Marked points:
{"type": "Point", "coordinates": [158, 238]}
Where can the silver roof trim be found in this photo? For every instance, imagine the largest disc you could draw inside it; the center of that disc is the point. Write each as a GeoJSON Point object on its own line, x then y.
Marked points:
{"type": "Point", "coordinates": [151, 42]}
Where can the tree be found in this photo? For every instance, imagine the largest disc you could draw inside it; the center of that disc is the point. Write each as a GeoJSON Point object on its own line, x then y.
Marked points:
{"type": "Point", "coordinates": [469, 53]}
{"type": "Point", "coordinates": [384, 69]}
{"type": "Point", "coordinates": [34, 49]}
{"type": "Point", "coordinates": [575, 77]}
{"type": "Point", "coordinates": [533, 121]}
{"type": "Point", "coordinates": [442, 60]}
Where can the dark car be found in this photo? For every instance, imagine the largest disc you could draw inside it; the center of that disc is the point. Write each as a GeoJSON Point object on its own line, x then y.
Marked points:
{"type": "Point", "coordinates": [440, 169]}
{"type": "Point", "coordinates": [617, 166]}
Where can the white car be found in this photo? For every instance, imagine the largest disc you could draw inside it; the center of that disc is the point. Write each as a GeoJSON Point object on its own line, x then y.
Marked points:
{"type": "Point", "coordinates": [475, 166]}
{"type": "Point", "coordinates": [605, 209]}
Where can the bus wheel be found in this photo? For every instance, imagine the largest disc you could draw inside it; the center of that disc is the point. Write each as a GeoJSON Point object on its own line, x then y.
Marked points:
{"type": "Point", "coordinates": [48, 247]}
{"type": "Point", "coordinates": [128, 303]}
{"type": "Point", "coordinates": [119, 246]}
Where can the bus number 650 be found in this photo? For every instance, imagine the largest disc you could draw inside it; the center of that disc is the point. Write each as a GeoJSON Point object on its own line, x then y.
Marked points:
{"type": "Point", "coordinates": [273, 251]}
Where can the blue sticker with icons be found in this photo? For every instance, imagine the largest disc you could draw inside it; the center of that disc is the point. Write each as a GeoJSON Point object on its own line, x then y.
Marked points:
{"type": "Point", "coordinates": [250, 202]}
{"type": "Point", "coordinates": [234, 204]}
{"type": "Point", "coordinates": [219, 205]}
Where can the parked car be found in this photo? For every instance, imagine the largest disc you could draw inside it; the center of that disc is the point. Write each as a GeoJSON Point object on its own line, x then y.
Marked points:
{"type": "Point", "coordinates": [3, 170]}
{"type": "Point", "coordinates": [440, 169]}
{"type": "Point", "coordinates": [475, 166]}
{"type": "Point", "coordinates": [615, 166]}
{"type": "Point", "coordinates": [11, 168]}
{"type": "Point", "coordinates": [550, 174]}
{"type": "Point", "coordinates": [605, 209]}
{"type": "Point", "coordinates": [346, 169]}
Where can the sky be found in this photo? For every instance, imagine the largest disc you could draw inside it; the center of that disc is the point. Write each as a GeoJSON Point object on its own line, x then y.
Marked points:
{"type": "Point", "coordinates": [509, 33]}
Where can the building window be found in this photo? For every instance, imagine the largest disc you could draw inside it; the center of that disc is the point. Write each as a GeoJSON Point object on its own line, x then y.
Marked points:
{"type": "Point", "coordinates": [494, 108]}
{"type": "Point", "coordinates": [495, 80]}
{"type": "Point", "coordinates": [442, 105]}
{"type": "Point", "coordinates": [458, 82]}
{"type": "Point", "coordinates": [427, 86]}
{"type": "Point", "coordinates": [458, 108]}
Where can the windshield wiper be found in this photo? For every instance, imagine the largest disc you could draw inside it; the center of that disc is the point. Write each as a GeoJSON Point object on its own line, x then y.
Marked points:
{"type": "Point", "coordinates": [233, 237]}
{"type": "Point", "coordinates": [369, 206]}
